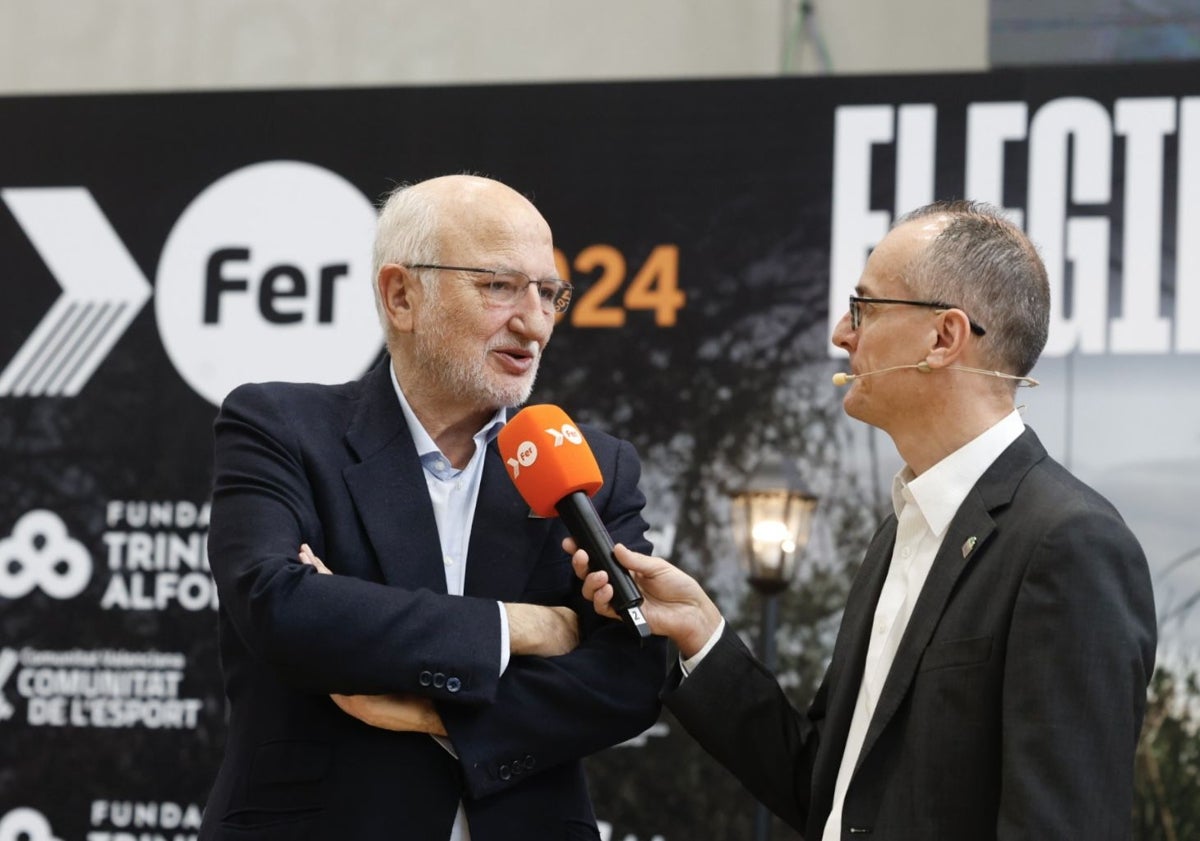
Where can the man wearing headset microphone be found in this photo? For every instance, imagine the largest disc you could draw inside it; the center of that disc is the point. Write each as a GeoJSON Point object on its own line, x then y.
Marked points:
{"type": "Point", "coordinates": [989, 676]}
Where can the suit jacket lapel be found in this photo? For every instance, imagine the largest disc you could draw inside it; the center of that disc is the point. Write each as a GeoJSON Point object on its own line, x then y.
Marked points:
{"type": "Point", "coordinates": [503, 536]}
{"type": "Point", "coordinates": [388, 488]}
{"type": "Point", "coordinates": [846, 665]}
{"type": "Point", "coordinates": [973, 520]}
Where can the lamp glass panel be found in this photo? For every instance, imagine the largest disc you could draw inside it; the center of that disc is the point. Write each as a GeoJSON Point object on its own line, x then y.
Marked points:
{"type": "Point", "coordinates": [771, 527]}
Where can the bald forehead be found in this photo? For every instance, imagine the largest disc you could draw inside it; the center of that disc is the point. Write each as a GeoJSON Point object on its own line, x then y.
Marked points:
{"type": "Point", "coordinates": [925, 228]}
{"type": "Point", "coordinates": [908, 239]}
{"type": "Point", "coordinates": [462, 198]}
{"type": "Point", "coordinates": [467, 189]}
{"type": "Point", "coordinates": [474, 209]}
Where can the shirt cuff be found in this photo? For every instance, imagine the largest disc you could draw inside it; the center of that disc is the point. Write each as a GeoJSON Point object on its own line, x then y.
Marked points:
{"type": "Point", "coordinates": [689, 665]}
{"type": "Point", "coordinates": [504, 652]}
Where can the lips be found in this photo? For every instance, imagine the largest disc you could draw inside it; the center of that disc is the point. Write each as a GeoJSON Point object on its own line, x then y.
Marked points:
{"type": "Point", "coordinates": [516, 360]}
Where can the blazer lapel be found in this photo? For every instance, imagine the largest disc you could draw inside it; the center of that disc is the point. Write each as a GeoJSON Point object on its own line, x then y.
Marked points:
{"type": "Point", "coordinates": [388, 488]}
{"type": "Point", "coordinates": [972, 520]}
{"type": "Point", "coordinates": [504, 538]}
{"type": "Point", "coordinates": [966, 539]}
{"type": "Point", "coordinates": [846, 665]}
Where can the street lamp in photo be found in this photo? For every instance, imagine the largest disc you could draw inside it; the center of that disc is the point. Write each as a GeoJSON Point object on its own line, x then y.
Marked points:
{"type": "Point", "coordinates": [772, 519]}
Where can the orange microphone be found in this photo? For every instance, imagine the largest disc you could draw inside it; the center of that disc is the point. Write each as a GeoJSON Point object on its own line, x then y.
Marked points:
{"type": "Point", "coordinates": [556, 474]}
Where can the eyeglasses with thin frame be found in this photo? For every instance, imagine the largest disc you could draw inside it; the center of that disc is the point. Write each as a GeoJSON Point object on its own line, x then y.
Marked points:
{"type": "Point", "coordinates": [856, 302]}
{"type": "Point", "coordinates": [507, 285]}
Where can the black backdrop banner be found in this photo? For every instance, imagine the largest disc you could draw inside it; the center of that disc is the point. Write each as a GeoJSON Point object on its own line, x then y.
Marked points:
{"type": "Point", "coordinates": [157, 250]}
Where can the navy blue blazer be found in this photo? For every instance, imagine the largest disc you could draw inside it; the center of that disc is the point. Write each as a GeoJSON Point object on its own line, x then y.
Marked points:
{"type": "Point", "coordinates": [336, 467]}
{"type": "Point", "coordinates": [1013, 707]}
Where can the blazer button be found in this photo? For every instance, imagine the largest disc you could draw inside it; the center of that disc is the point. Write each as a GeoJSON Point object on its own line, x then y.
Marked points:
{"type": "Point", "coordinates": [425, 678]}
{"type": "Point", "coordinates": [439, 680]}
{"type": "Point", "coordinates": [505, 773]}
{"type": "Point", "coordinates": [453, 684]}
{"type": "Point", "coordinates": [530, 762]}
{"type": "Point", "coordinates": [518, 768]}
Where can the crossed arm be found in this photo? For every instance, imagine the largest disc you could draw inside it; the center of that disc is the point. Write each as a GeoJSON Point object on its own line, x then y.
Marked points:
{"type": "Point", "coordinates": [539, 630]}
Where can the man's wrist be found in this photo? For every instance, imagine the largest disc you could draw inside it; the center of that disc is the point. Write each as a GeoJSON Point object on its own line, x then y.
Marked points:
{"type": "Point", "coordinates": [701, 632]}
{"type": "Point", "coordinates": [518, 635]}
{"type": "Point", "coordinates": [541, 630]}
{"type": "Point", "coordinates": [690, 662]}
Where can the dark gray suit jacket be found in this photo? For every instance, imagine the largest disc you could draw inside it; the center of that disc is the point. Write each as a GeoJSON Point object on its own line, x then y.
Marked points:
{"type": "Point", "coordinates": [1013, 707]}
{"type": "Point", "coordinates": [335, 466]}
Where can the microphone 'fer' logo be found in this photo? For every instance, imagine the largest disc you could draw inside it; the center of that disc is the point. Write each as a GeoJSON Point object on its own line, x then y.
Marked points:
{"type": "Point", "coordinates": [527, 453]}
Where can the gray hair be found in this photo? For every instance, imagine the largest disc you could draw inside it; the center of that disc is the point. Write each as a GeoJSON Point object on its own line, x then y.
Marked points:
{"type": "Point", "coordinates": [405, 233]}
{"type": "Point", "coordinates": [986, 265]}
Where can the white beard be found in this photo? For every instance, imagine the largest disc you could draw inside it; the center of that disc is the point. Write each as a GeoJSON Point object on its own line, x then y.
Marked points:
{"type": "Point", "coordinates": [467, 378]}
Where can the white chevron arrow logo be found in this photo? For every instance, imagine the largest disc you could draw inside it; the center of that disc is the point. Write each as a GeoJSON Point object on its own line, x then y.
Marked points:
{"type": "Point", "coordinates": [568, 433]}
{"type": "Point", "coordinates": [103, 291]}
{"type": "Point", "coordinates": [8, 662]}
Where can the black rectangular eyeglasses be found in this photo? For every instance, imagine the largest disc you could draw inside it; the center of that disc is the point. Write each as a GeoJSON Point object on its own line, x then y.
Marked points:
{"type": "Point", "coordinates": [506, 285]}
{"type": "Point", "coordinates": [856, 302]}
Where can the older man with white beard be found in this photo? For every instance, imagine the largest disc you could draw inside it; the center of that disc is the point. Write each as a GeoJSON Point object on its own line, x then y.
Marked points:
{"type": "Point", "coordinates": [429, 676]}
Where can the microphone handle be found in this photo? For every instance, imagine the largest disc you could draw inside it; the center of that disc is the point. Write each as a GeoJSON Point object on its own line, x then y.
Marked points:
{"type": "Point", "coordinates": [580, 517]}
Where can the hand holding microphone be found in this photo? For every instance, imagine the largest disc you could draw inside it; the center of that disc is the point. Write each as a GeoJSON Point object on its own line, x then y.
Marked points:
{"type": "Point", "coordinates": [674, 604]}
{"type": "Point", "coordinates": [556, 474]}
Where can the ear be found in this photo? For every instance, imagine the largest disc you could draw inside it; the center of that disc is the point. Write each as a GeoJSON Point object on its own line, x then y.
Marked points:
{"type": "Point", "coordinates": [399, 291]}
{"type": "Point", "coordinates": [951, 336]}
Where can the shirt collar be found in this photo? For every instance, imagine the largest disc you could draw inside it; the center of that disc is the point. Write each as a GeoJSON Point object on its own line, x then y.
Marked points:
{"type": "Point", "coordinates": [421, 438]}
{"type": "Point", "coordinates": [939, 492]}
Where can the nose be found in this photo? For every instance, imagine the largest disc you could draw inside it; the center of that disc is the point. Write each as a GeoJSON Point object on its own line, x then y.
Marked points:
{"type": "Point", "coordinates": [529, 318]}
{"type": "Point", "coordinates": [844, 336]}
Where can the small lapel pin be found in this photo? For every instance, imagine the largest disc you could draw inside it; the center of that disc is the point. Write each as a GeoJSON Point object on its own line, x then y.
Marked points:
{"type": "Point", "coordinates": [968, 545]}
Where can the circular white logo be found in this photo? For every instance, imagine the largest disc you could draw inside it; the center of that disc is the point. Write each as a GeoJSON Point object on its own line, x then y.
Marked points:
{"type": "Point", "coordinates": [267, 276]}
{"type": "Point", "coordinates": [27, 824]}
{"type": "Point", "coordinates": [527, 453]}
{"type": "Point", "coordinates": [571, 434]}
{"type": "Point", "coordinates": [40, 553]}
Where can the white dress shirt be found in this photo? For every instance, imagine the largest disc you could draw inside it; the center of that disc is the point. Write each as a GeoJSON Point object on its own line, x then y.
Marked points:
{"type": "Point", "coordinates": [924, 507]}
{"type": "Point", "coordinates": [454, 493]}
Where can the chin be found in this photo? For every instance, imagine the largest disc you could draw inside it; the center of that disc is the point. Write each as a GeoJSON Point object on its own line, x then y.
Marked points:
{"type": "Point", "coordinates": [852, 407]}
{"type": "Point", "coordinates": [511, 393]}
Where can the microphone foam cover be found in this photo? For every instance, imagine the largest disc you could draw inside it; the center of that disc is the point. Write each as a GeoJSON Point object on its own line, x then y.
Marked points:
{"type": "Point", "coordinates": [547, 458]}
